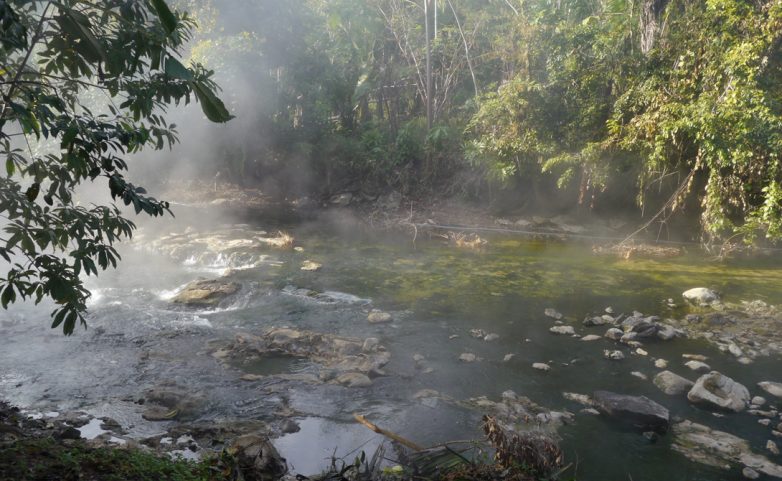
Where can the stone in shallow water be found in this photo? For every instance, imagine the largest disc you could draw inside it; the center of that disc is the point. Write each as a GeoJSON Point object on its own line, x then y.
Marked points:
{"type": "Point", "coordinates": [708, 446]}
{"type": "Point", "coordinates": [552, 313]}
{"type": "Point", "coordinates": [354, 379]}
{"type": "Point", "coordinates": [378, 317]}
{"type": "Point", "coordinates": [613, 355]}
{"type": "Point", "coordinates": [468, 357]}
{"type": "Point", "coordinates": [590, 337]}
{"type": "Point", "coordinates": [720, 391]}
{"type": "Point", "coordinates": [562, 330]}
{"type": "Point", "coordinates": [697, 365]}
{"type": "Point", "coordinates": [541, 366]}
{"type": "Point", "coordinates": [639, 411]}
{"type": "Point", "coordinates": [614, 334]}
{"type": "Point", "coordinates": [671, 383]}
{"type": "Point", "coordinates": [206, 292]}
{"type": "Point", "coordinates": [773, 388]}
{"type": "Point", "coordinates": [701, 296]}
{"type": "Point", "coordinates": [660, 363]}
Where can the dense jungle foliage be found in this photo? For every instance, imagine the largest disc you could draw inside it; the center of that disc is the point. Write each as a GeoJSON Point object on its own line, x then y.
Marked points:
{"type": "Point", "coordinates": [668, 105]}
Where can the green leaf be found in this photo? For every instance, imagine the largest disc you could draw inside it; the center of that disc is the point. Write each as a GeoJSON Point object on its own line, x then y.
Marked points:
{"type": "Point", "coordinates": [32, 191]}
{"type": "Point", "coordinates": [9, 166]}
{"type": "Point", "coordinates": [213, 107]}
{"type": "Point", "coordinates": [175, 69]}
{"type": "Point", "coordinates": [77, 25]}
{"type": "Point", "coordinates": [167, 18]}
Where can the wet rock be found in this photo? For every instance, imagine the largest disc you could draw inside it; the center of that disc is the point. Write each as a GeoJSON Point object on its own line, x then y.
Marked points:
{"type": "Point", "coordinates": [758, 401]}
{"type": "Point", "coordinates": [478, 333]}
{"type": "Point", "coordinates": [594, 321]}
{"type": "Point", "coordinates": [541, 366]}
{"type": "Point", "coordinates": [750, 473]}
{"type": "Point", "coordinates": [772, 446]}
{"type": "Point", "coordinates": [566, 330]}
{"type": "Point", "coordinates": [697, 366]}
{"type": "Point", "coordinates": [660, 363]}
{"type": "Point", "coordinates": [638, 411]}
{"type": "Point", "coordinates": [613, 355]}
{"type": "Point", "coordinates": [168, 401]}
{"type": "Point", "coordinates": [206, 292]}
{"type": "Point", "coordinates": [720, 391]}
{"type": "Point", "coordinates": [639, 375]}
{"type": "Point", "coordinates": [672, 384]}
{"type": "Point", "coordinates": [468, 357]}
{"type": "Point", "coordinates": [708, 446]}
{"type": "Point", "coordinates": [764, 422]}
{"type": "Point", "coordinates": [159, 413]}
{"type": "Point", "coordinates": [491, 337]}
{"type": "Point", "coordinates": [354, 379]}
{"type": "Point", "coordinates": [379, 317]}
{"type": "Point", "coordinates": [257, 458]}
{"type": "Point", "coordinates": [695, 357]}
{"type": "Point", "coordinates": [311, 266]}
{"type": "Point", "coordinates": [335, 354]}
{"type": "Point", "coordinates": [701, 296]}
{"type": "Point", "coordinates": [508, 357]}
{"type": "Point", "coordinates": [579, 398]}
{"type": "Point", "coordinates": [735, 350]}
{"type": "Point", "coordinates": [552, 313]}
{"type": "Point", "coordinates": [370, 344]}
{"type": "Point", "coordinates": [773, 388]}
{"type": "Point", "coordinates": [614, 334]}
{"type": "Point", "coordinates": [68, 432]}
{"type": "Point", "coordinates": [590, 337]}
{"type": "Point", "coordinates": [641, 352]}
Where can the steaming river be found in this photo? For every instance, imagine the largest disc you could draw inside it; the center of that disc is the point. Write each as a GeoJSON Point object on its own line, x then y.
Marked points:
{"type": "Point", "coordinates": [435, 292]}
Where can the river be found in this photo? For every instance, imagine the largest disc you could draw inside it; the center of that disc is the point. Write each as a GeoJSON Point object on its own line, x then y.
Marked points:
{"type": "Point", "coordinates": [436, 294]}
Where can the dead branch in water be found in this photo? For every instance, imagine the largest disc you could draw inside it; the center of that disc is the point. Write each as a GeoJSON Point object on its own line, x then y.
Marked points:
{"type": "Point", "coordinates": [393, 436]}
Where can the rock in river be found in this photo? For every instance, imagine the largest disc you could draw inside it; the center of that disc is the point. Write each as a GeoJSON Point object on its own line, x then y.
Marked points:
{"type": "Point", "coordinates": [671, 383]}
{"type": "Point", "coordinates": [562, 330]}
{"type": "Point", "coordinates": [773, 388]}
{"type": "Point", "coordinates": [639, 411]}
{"type": "Point", "coordinates": [378, 317]}
{"type": "Point", "coordinates": [206, 292]}
{"type": "Point", "coordinates": [708, 446]}
{"type": "Point", "coordinates": [720, 391]}
{"type": "Point", "coordinates": [701, 296]}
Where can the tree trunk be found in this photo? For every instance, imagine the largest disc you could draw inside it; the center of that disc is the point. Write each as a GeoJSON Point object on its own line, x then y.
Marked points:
{"type": "Point", "coordinates": [651, 11]}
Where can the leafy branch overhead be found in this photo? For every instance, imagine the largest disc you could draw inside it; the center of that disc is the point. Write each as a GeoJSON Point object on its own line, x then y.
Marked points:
{"type": "Point", "coordinates": [54, 55]}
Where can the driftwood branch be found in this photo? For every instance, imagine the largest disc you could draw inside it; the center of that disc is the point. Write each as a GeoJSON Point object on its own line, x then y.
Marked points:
{"type": "Point", "coordinates": [393, 436]}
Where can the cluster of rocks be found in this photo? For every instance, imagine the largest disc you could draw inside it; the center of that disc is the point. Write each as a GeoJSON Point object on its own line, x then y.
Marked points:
{"type": "Point", "coordinates": [347, 361]}
{"type": "Point", "coordinates": [746, 330]}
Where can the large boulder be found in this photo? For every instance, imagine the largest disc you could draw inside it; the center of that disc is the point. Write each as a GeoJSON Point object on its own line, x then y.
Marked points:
{"type": "Point", "coordinates": [720, 391]}
{"type": "Point", "coordinates": [206, 292]}
{"type": "Point", "coordinates": [708, 446]}
{"type": "Point", "coordinates": [701, 296]}
{"type": "Point", "coordinates": [638, 411]}
{"type": "Point", "coordinates": [671, 383]}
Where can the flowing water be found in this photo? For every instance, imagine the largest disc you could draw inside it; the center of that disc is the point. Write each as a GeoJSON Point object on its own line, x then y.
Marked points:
{"type": "Point", "coordinates": [435, 292]}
